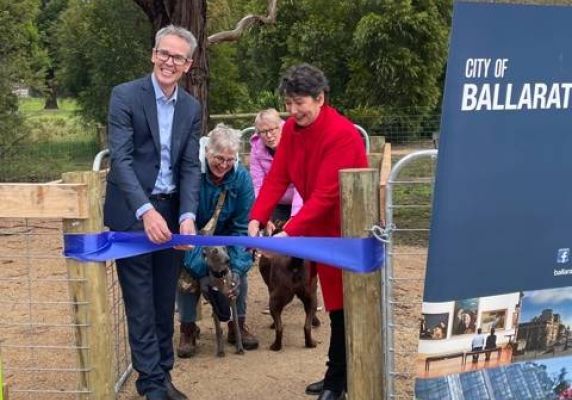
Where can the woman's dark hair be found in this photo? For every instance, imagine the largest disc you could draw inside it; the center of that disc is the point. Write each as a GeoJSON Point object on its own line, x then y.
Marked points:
{"type": "Point", "coordinates": [303, 80]}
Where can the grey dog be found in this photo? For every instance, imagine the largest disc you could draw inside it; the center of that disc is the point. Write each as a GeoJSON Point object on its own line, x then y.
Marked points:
{"type": "Point", "coordinates": [220, 279]}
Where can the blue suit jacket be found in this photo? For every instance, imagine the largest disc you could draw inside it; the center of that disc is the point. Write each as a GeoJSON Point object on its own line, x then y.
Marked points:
{"type": "Point", "coordinates": [133, 138]}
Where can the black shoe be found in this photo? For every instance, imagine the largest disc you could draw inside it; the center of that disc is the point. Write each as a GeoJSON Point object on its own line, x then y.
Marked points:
{"type": "Point", "coordinates": [173, 393]}
{"type": "Point", "coordinates": [315, 389]}
{"type": "Point", "coordinates": [331, 395]}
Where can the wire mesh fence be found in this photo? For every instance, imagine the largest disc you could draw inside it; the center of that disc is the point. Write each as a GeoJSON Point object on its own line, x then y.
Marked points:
{"type": "Point", "coordinates": [45, 161]}
{"type": "Point", "coordinates": [38, 331]}
{"type": "Point", "coordinates": [43, 158]}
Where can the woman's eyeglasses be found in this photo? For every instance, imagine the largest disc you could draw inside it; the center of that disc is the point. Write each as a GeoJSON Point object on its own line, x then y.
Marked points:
{"type": "Point", "coordinates": [267, 132]}
{"type": "Point", "coordinates": [221, 160]}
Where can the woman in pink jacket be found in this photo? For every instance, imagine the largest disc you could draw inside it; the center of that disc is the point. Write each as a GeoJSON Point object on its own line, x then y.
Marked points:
{"type": "Point", "coordinates": [263, 144]}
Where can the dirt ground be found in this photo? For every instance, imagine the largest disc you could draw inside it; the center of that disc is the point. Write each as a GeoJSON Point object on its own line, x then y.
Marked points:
{"type": "Point", "coordinates": [264, 374]}
{"type": "Point", "coordinates": [259, 374]}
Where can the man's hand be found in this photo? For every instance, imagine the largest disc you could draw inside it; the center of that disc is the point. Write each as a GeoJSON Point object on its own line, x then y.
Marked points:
{"type": "Point", "coordinates": [253, 228]}
{"type": "Point", "coordinates": [156, 227]}
{"type": "Point", "coordinates": [187, 227]}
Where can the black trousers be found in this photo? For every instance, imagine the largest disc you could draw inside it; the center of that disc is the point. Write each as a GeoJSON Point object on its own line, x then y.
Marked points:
{"type": "Point", "coordinates": [336, 373]}
{"type": "Point", "coordinates": [148, 283]}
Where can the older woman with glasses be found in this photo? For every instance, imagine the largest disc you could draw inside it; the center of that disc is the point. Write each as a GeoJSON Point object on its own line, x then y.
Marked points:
{"type": "Point", "coordinates": [220, 172]}
{"type": "Point", "coordinates": [263, 145]}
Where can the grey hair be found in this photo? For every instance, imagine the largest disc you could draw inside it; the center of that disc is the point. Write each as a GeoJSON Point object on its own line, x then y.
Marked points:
{"type": "Point", "coordinates": [269, 114]}
{"type": "Point", "coordinates": [178, 31]}
{"type": "Point", "coordinates": [222, 138]}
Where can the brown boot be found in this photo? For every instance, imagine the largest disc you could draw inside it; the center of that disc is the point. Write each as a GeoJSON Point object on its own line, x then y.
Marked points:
{"type": "Point", "coordinates": [188, 340]}
{"type": "Point", "coordinates": [249, 341]}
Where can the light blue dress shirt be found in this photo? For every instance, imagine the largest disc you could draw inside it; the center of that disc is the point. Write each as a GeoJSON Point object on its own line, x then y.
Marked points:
{"type": "Point", "coordinates": [165, 113]}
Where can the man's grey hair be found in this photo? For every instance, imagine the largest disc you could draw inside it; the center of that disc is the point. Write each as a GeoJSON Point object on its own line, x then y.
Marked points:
{"type": "Point", "coordinates": [223, 138]}
{"type": "Point", "coordinates": [178, 31]}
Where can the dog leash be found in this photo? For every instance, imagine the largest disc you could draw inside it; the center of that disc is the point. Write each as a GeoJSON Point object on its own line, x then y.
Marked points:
{"type": "Point", "coordinates": [186, 283]}
{"type": "Point", "coordinates": [210, 226]}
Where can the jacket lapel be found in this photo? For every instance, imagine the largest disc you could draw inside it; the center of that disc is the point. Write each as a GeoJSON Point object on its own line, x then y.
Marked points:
{"type": "Point", "coordinates": [178, 126]}
{"type": "Point", "coordinates": [150, 108]}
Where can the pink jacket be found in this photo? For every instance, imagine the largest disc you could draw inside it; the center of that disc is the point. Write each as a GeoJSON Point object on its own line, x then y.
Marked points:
{"type": "Point", "coordinates": [260, 162]}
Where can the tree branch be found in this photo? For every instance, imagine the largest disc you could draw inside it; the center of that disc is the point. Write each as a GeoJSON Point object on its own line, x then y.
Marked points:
{"type": "Point", "coordinates": [245, 23]}
{"type": "Point", "coordinates": [148, 7]}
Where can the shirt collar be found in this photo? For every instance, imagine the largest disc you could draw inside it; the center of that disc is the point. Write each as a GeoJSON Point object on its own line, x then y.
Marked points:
{"type": "Point", "coordinates": [159, 95]}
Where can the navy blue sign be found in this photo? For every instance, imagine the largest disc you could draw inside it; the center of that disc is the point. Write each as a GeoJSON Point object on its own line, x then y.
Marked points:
{"type": "Point", "coordinates": [502, 217]}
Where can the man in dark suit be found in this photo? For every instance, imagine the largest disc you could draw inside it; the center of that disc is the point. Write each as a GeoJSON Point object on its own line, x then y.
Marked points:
{"type": "Point", "coordinates": [153, 185]}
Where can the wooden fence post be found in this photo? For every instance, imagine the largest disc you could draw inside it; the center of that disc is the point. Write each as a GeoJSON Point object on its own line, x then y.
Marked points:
{"type": "Point", "coordinates": [376, 143]}
{"type": "Point", "coordinates": [88, 291]}
{"type": "Point", "coordinates": [362, 292]}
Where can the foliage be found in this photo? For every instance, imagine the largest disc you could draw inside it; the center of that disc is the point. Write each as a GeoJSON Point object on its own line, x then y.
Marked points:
{"type": "Point", "coordinates": [380, 56]}
{"type": "Point", "coordinates": [56, 141]}
{"type": "Point", "coordinates": [400, 51]}
{"type": "Point", "coordinates": [102, 43]}
{"type": "Point", "coordinates": [21, 61]}
{"type": "Point", "coordinates": [226, 93]}
{"type": "Point", "coordinates": [47, 22]}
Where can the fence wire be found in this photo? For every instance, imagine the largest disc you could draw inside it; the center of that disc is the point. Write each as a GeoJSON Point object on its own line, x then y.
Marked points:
{"type": "Point", "coordinates": [408, 211]}
{"type": "Point", "coordinates": [37, 332]}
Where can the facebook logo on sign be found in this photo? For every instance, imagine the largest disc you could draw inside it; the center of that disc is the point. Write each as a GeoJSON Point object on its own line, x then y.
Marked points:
{"type": "Point", "coordinates": [563, 256]}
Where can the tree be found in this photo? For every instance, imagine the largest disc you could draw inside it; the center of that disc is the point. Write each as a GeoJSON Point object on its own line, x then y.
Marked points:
{"type": "Point", "coordinates": [47, 23]}
{"type": "Point", "coordinates": [379, 55]}
{"type": "Point", "coordinates": [399, 54]}
{"type": "Point", "coordinates": [101, 44]}
{"type": "Point", "coordinates": [193, 16]}
{"type": "Point", "coordinates": [21, 63]}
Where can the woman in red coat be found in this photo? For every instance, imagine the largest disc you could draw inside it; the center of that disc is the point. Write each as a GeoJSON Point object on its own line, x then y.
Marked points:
{"type": "Point", "coordinates": [317, 142]}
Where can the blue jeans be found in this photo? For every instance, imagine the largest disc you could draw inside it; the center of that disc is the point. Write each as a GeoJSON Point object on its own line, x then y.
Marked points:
{"type": "Point", "coordinates": [187, 302]}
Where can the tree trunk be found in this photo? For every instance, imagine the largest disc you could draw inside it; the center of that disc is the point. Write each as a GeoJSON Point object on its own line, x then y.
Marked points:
{"type": "Point", "coordinates": [192, 15]}
{"type": "Point", "coordinates": [52, 94]}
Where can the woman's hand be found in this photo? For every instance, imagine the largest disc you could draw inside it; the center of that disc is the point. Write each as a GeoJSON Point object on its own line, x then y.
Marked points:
{"type": "Point", "coordinates": [269, 254]}
{"type": "Point", "coordinates": [253, 228]}
{"type": "Point", "coordinates": [270, 228]}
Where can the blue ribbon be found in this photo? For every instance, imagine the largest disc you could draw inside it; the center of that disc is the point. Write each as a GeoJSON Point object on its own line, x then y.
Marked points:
{"type": "Point", "coordinates": [352, 254]}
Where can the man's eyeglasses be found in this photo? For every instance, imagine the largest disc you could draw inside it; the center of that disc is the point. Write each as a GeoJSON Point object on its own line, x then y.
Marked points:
{"type": "Point", "coordinates": [267, 132]}
{"type": "Point", "coordinates": [221, 160]}
{"type": "Point", "coordinates": [164, 55]}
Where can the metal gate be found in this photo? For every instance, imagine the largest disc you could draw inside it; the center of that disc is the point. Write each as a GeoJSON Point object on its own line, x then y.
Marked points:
{"type": "Point", "coordinates": [409, 194]}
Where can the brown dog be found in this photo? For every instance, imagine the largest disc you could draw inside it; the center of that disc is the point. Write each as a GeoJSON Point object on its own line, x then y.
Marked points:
{"type": "Point", "coordinates": [287, 277]}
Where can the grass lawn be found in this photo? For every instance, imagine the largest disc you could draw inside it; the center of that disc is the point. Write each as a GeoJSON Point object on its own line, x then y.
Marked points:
{"type": "Point", "coordinates": [50, 142]}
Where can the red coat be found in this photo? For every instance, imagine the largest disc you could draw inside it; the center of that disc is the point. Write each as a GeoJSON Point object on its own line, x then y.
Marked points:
{"type": "Point", "coordinates": [310, 158]}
